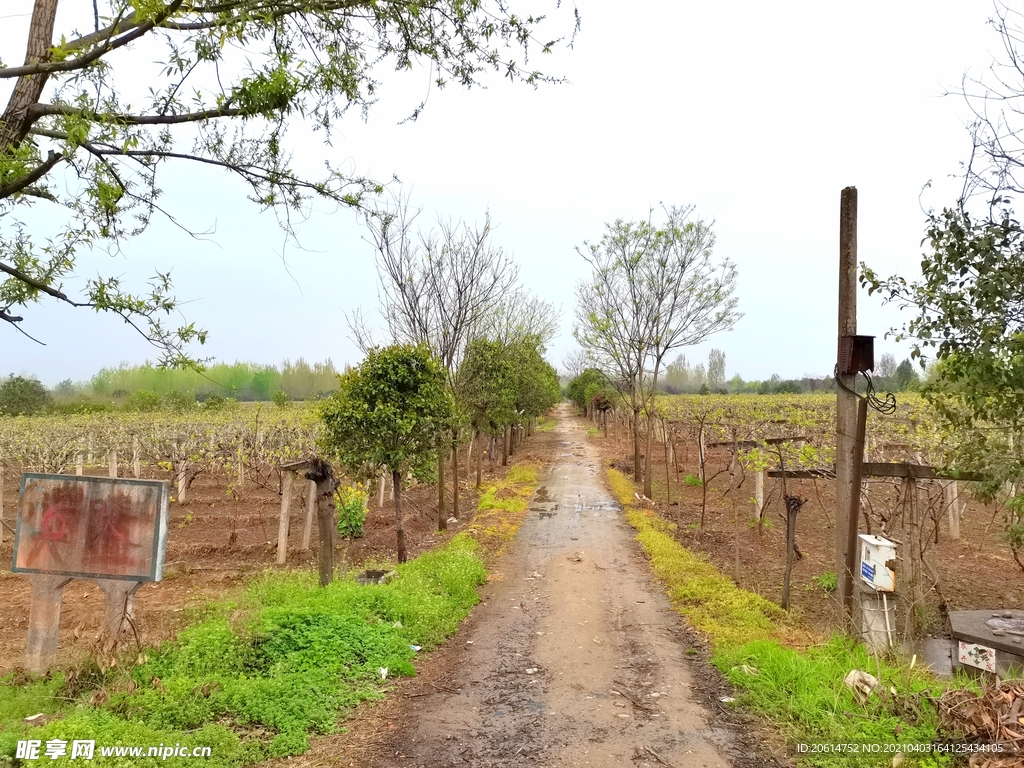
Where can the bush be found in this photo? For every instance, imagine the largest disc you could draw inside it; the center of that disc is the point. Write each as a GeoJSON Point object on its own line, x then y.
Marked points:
{"type": "Point", "coordinates": [20, 396]}
{"type": "Point", "coordinates": [179, 402]}
{"type": "Point", "coordinates": [213, 402]}
{"type": "Point", "coordinates": [143, 401]}
{"type": "Point", "coordinates": [351, 506]}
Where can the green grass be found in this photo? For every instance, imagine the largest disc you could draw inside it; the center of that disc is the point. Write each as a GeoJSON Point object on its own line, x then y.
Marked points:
{"type": "Point", "coordinates": [255, 678]}
{"type": "Point", "coordinates": [801, 691]}
{"type": "Point", "coordinates": [545, 424]}
{"type": "Point", "coordinates": [827, 581]}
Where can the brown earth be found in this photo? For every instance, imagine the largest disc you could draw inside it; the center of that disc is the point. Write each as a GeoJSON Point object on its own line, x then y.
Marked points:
{"type": "Point", "coordinates": [214, 542]}
{"type": "Point", "coordinates": [976, 571]}
{"type": "Point", "coordinates": [574, 657]}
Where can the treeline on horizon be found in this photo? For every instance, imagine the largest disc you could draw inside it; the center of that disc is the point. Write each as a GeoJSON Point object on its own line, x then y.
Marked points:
{"type": "Point", "coordinates": [592, 387]}
{"type": "Point", "coordinates": [297, 380]}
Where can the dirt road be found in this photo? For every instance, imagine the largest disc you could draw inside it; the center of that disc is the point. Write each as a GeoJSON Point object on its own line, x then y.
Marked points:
{"type": "Point", "coordinates": [575, 657]}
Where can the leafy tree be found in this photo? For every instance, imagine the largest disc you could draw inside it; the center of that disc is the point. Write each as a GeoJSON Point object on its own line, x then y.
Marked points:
{"type": "Point", "coordinates": [21, 396]}
{"type": "Point", "coordinates": [968, 310]}
{"type": "Point", "coordinates": [716, 369]}
{"type": "Point", "coordinates": [905, 377]}
{"type": "Point", "coordinates": [234, 75]}
{"type": "Point", "coordinates": [388, 412]}
{"type": "Point", "coordinates": [487, 390]}
{"type": "Point", "coordinates": [582, 388]}
{"type": "Point", "coordinates": [535, 381]}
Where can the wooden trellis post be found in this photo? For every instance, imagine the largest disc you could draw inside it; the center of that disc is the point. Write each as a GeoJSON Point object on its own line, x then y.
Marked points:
{"type": "Point", "coordinates": [320, 497]}
{"type": "Point", "coordinates": [307, 527]}
{"type": "Point", "coordinates": [759, 477]}
{"type": "Point", "coordinates": [282, 528]}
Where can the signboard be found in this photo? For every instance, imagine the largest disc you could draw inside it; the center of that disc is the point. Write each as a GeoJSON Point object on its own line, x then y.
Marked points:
{"type": "Point", "coordinates": [91, 527]}
{"type": "Point", "coordinates": [979, 656]}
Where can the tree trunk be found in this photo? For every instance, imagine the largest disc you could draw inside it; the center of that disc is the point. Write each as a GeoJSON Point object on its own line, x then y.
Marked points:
{"type": "Point", "coordinates": [637, 470]}
{"type": "Point", "coordinates": [648, 483]}
{"type": "Point", "coordinates": [442, 514]}
{"type": "Point", "coordinates": [504, 447]}
{"type": "Point", "coordinates": [455, 473]}
{"type": "Point", "coordinates": [321, 473]}
{"type": "Point", "coordinates": [396, 481]}
{"type": "Point", "coordinates": [668, 474]}
{"type": "Point", "coordinates": [28, 89]}
{"type": "Point", "coordinates": [479, 459]}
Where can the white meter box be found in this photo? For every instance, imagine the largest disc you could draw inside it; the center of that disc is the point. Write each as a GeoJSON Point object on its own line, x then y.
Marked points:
{"type": "Point", "coordinates": [878, 562]}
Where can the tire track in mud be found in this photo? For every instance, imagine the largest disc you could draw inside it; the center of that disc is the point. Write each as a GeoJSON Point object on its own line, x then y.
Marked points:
{"type": "Point", "coordinates": [575, 657]}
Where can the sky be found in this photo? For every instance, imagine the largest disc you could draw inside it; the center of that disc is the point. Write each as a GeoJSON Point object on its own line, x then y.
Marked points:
{"type": "Point", "coordinates": [758, 114]}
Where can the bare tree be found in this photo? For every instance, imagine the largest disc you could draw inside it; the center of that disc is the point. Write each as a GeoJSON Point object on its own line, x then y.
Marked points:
{"type": "Point", "coordinates": [886, 366]}
{"type": "Point", "coordinates": [996, 100]}
{"type": "Point", "coordinates": [654, 289]}
{"type": "Point", "coordinates": [574, 363]}
{"type": "Point", "coordinates": [519, 315]}
{"type": "Point", "coordinates": [692, 298]}
{"type": "Point", "coordinates": [613, 312]}
{"type": "Point", "coordinates": [438, 288]}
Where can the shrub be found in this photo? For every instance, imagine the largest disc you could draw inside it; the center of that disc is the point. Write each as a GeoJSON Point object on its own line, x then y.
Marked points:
{"type": "Point", "coordinates": [351, 506]}
{"type": "Point", "coordinates": [143, 400]}
{"type": "Point", "coordinates": [179, 402]}
{"type": "Point", "coordinates": [21, 396]}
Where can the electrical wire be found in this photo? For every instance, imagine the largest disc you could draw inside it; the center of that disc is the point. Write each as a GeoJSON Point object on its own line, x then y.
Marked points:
{"type": "Point", "coordinates": [884, 405]}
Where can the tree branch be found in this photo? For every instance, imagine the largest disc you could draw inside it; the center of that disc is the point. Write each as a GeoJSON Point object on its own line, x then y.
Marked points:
{"type": "Point", "coordinates": [41, 110]}
{"type": "Point", "coordinates": [69, 65]}
{"type": "Point", "coordinates": [44, 168]}
{"type": "Point", "coordinates": [17, 274]}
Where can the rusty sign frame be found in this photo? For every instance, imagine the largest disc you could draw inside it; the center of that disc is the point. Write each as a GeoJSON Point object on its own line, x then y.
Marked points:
{"type": "Point", "coordinates": [159, 531]}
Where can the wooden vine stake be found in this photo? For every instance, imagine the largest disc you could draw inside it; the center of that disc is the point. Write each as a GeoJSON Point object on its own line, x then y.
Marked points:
{"type": "Point", "coordinates": [282, 527]}
{"type": "Point", "coordinates": [320, 496]}
{"type": "Point", "coordinates": [322, 476]}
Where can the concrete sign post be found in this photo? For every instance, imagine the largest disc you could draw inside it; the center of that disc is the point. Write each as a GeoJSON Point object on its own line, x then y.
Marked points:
{"type": "Point", "coordinates": [113, 531]}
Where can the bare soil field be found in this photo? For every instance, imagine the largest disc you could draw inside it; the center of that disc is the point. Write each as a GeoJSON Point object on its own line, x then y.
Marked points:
{"type": "Point", "coordinates": [976, 571]}
{"type": "Point", "coordinates": [215, 540]}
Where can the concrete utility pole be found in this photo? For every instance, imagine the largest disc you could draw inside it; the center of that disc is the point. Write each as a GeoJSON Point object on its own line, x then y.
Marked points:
{"type": "Point", "coordinates": [847, 474]}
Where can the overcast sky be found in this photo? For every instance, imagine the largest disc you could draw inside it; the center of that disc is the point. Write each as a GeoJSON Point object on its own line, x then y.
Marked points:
{"type": "Point", "coordinates": [756, 113]}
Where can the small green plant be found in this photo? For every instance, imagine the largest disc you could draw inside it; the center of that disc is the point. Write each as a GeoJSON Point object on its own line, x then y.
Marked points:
{"type": "Point", "coordinates": [280, 398]}
{"type": "Point", "coordinates": [693, 481]}
{"type": "Point", "coordinates": [827, 581]}
{"type": "Point", "coordinates": [351, 505]}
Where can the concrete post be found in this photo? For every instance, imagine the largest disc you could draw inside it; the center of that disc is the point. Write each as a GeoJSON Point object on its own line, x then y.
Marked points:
{"type": "Point", "coordinates": [43, 620]}
{"type": "Point", "coordinates": [307, 528]}
{"type": "Point", "coordinates": [846, 403]}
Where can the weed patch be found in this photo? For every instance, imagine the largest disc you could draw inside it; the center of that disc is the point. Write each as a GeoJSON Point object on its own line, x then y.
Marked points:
{"type": "Point", "coordinates": [801, 691]}
{"type": "Point", "coordinates": [502, 508]}
{"type": "Point", "coordinates": [255, 679]}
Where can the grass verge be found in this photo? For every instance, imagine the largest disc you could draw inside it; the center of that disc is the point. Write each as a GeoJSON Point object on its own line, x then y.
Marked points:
{"type": "Point", "coordinates": [502, 508]}
{"type": "Point", "coordinates": [256, 678]}
{"type": "Point", "coordinates": [800, 690]}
